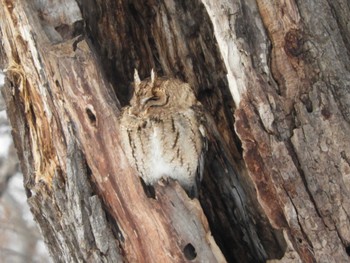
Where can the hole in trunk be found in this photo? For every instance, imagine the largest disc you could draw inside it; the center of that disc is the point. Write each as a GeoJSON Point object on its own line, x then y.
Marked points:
{"type": "Point", "coordinates": [347, 249]}
{"type": "Point", "coordinates": [148, 189]}
{"type": "Point", "coordinates": [190, 252]}
{"type": "Point", "coordinates": [91, 116]}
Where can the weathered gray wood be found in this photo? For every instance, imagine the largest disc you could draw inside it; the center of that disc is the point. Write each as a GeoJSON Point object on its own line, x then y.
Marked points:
{"type": "Point", "coordinates": [69, 215]}
{"type": "Point", "coordinates": [292, 140]}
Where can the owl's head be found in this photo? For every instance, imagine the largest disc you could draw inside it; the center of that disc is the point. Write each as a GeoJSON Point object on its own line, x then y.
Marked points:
{"type": "Point", "coordinates": [157, 93]}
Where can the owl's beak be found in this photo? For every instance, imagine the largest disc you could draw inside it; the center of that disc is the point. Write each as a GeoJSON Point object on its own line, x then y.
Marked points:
{"type": "Point", "coordinates": [134, 111]}
{"type": "Point", "coordinates": [140, 108]}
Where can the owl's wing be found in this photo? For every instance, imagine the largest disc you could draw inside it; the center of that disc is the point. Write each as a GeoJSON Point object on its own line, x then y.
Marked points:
{"type": "Point", "coordinates": [201, 161]}
{"type": "Point", "coordinates": [198, 110]}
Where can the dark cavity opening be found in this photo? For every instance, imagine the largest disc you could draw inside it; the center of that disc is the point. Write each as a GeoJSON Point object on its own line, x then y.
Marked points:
{"type": "Point", "coordinates": [190, 252]}
{"type": "Point", "coordinates": [148, 189]}
{"type": "Point", "coordinates": [347, 249]}
{"type": "Point", "coordinates": [91, 116]}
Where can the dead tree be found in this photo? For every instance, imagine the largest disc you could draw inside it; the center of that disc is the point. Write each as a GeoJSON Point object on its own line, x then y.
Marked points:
{"type": "Point", "coordinates": [275, 75]}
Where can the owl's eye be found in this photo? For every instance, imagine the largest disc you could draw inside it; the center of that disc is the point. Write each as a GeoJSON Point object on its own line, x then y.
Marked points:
{"type": "Point", "coordinates": [149, 99]}
{"type": "Point", "coordinates": [153, 98]}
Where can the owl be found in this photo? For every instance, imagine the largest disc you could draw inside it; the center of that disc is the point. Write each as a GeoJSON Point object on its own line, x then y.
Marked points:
{"type": "Point", "coordinates": [163, 132]}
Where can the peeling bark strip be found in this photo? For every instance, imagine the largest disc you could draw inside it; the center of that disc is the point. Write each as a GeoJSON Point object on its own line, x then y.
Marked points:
{"type": "Point", "coordinates": [278, 70]}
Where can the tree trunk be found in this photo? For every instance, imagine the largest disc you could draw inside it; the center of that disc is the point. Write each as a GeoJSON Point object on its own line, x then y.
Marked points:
{"type": "Point", "coordinates": [275, 76]}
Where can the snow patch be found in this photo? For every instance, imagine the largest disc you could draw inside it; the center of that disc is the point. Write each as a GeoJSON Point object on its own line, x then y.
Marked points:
{"type": "Point", "coordinates": [3, 114]}
{"type": "Point", "coordinates": [5, 143]}
{"type": "Point", "coordinates": [16, 188]}
{"type": "Point", "coordinates": [2, 78]}
{"type": "Point", "coordinates": [5, 130]}
{"type": "Point", "coordinates": [41, 248]}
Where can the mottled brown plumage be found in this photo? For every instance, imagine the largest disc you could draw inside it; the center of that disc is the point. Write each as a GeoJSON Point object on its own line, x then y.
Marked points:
{"type": "Point", "coordinates": [162, 132]}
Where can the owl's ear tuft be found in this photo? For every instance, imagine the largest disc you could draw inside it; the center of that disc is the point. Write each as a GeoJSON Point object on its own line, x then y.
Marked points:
{"type": "Point", "coordinates": [153, 77]}
{"type": "Point", "coordinates": [137, 80]}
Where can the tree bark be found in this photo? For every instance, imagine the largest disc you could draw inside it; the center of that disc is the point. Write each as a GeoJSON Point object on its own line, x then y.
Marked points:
{"type": "Point", "coordinates": [275, 76]}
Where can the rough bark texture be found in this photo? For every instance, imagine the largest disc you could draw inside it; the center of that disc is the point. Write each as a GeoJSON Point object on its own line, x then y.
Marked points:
{"type": "Point", "coordinates": [275, 76]}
